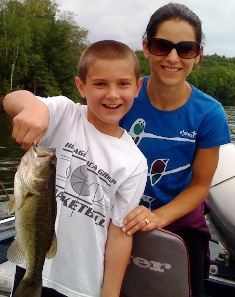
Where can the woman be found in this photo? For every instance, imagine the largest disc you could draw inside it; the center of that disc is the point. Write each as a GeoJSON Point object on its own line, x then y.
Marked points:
{"type": "Point", "coordinates": [179, 129]}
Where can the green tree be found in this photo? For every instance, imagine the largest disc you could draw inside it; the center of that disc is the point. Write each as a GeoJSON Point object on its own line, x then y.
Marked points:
{"type": "Point", "coordinates": [215, 75]}
{"type": "Point", "coordinates": [39, 47]}
{"type": "Point", "coordinates": [144, 63]}
{"type": "Point", "coordinates": [14, 41]}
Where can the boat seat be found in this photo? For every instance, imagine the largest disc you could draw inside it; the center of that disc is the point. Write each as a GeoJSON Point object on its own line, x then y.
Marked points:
{"type": "Point", "coordinates": [158, 267]}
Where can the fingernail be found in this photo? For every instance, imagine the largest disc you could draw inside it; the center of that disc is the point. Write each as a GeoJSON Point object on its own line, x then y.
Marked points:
{"type": "Point", "coordinates": [123, 229]}
{"type": "Point", "coordinates": [129, 233]}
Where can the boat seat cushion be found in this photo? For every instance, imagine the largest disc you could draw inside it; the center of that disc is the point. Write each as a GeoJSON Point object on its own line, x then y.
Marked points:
{"type": "Point", "coordinates": [159, 266]}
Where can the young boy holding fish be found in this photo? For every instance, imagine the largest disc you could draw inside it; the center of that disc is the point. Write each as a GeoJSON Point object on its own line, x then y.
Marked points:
{"type": "Point", "coordinates": [101, 174]}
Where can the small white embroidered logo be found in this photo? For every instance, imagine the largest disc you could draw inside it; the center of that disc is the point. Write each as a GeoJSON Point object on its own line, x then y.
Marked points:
{"type": "Point", "coordinates": [188, 134]}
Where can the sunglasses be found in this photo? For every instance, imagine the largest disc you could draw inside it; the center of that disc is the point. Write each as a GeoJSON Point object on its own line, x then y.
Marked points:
{"type": "Point", "coordinates": [162, 47]}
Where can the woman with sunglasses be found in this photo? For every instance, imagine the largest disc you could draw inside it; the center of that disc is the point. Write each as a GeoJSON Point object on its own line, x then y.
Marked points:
{"type": "Point", "coordinates": [179, 129]}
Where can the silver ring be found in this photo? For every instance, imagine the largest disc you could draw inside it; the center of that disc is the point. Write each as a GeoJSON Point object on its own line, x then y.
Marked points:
{"type": "Point", "coordinates": [146, 221]}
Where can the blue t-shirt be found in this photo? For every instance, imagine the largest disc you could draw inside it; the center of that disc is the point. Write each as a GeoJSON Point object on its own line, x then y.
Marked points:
{"type": "Point", "coordinates": [169, 139]}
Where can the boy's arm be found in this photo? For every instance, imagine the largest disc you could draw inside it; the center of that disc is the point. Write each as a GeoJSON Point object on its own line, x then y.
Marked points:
{"type": "Point", "coordinates": [117, 255]}
{"type": "Point", "coordinates": [30, 117]}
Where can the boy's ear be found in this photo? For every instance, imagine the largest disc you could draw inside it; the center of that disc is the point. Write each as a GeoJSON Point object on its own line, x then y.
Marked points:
{"type": "Point", "coordinates": [80, 86]}
{"type": "Point", "coordinates": [139, 85]}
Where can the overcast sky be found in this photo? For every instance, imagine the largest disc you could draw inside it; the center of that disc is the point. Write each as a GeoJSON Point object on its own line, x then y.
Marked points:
{"type": "Point", "coordinates": [126, 20]}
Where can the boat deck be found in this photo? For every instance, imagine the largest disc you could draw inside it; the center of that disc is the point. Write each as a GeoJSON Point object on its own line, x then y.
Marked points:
{"type": "Point", "coordinates": [215, 286]}
{"type": "Point", "coordinates": [7, 270]}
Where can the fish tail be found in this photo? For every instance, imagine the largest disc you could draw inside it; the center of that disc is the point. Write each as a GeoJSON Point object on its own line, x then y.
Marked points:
{"type": "Point", "coordinates": [28, 288]}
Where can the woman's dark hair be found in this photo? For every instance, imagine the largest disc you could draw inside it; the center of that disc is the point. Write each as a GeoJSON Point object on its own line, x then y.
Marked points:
{"type": "Point", "coordinates": [173, 11]}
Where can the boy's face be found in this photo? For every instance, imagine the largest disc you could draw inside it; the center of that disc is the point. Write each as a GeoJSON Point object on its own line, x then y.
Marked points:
{"type": "Point", "coordinates": [110, 90]}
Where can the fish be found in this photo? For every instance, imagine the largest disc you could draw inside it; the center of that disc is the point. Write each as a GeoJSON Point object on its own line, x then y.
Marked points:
{"type": "Point", "coordinates": [34, 206]}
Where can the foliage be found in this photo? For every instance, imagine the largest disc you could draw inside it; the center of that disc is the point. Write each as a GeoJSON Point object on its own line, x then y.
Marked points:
{"type": "Point", "coordinates": [214, 76]}
{"type": "Point", "coordinates": [39, 48]}
{"type": "Point", "coordinates": [144, 63]}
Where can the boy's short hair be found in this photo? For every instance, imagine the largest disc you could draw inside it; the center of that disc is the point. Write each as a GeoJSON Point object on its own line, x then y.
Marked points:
{"type": "Point", "coordinates": [106, 50]}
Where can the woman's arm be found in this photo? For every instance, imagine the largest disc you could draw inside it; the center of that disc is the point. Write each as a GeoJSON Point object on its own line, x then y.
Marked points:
{"type": "Point", "coordinates": [204, 166]}
{"type": "Point", "coordinates": [117, 255]}
{"type": "Point", "coordinates": [30, 117]}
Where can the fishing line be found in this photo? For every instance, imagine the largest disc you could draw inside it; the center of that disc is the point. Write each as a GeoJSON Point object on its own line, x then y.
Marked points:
{"type": "Point", "coordinates": [4, 191]}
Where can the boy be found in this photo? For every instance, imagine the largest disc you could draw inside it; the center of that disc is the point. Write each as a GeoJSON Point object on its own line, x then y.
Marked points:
{"type": "Point", "coordinates": [101, 174]}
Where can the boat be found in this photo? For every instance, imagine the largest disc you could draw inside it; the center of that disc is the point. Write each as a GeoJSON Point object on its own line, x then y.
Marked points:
{"type": "Point", "coordinates": [7, 233]}
{"type": "Point", "coordinates": [159, 262]}
{"type": "Point", "coordinates": [222, 221]}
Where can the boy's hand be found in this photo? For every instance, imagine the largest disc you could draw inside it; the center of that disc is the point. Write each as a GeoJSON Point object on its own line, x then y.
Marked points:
{"type": "Point", "coordinates": [30, 125]}
{"type": "Point", "coordinates": [30, 117]}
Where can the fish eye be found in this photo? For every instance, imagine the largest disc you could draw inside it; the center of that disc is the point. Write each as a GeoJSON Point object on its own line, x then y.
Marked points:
{"type": "Point", "coordinates": [53, 164]}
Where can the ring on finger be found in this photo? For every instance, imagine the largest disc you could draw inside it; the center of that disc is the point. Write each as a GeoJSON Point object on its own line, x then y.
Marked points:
{"type": "Point", "coordinates": [146, 221]}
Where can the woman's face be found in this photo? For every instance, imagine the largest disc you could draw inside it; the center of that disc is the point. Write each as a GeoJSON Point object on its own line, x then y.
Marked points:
{"type": "Point", "coordinates": [171, 69]}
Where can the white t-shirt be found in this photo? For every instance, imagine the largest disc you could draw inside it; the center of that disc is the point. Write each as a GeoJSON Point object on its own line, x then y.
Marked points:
{"type": "Point", "coordinates": [98, 178]}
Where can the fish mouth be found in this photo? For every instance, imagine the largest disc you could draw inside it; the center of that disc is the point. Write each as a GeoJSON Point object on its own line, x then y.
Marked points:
{"type": "Point", "coordinates": [42, 152]}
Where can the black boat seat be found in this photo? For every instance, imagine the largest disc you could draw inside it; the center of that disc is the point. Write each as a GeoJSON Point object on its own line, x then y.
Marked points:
{"type": "Point", "coordinates": [158, 267]}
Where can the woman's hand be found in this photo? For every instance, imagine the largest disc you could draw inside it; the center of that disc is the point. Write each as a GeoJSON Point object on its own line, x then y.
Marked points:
{"type": "Point", "coordinates": [140, 219]}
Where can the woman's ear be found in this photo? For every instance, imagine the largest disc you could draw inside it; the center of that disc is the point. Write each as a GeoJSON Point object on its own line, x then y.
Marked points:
{"type": "Point", "coordinates": [80, 86]}
{"type": "Point", "coordinates": [145, 49]}
{"type": "Point", "coordinates": [199, 56]}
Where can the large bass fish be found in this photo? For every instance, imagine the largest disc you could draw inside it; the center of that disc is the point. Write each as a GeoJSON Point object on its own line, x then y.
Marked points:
{"type": "Point", "coordinates": [34, 206]}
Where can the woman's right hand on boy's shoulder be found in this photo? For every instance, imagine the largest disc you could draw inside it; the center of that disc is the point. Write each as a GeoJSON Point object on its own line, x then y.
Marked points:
{"type": "Point", "coordinates": [30, 125]}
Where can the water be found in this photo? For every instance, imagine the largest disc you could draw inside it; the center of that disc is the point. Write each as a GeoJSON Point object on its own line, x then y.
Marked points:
{"type": "Point", "coordinates": [230, 112]}
{"type": "Point", "coordinates": [11, 153]}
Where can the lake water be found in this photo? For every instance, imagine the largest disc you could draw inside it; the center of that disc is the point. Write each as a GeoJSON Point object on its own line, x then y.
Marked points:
{"type": "Point", "coordinates": [10, 154]}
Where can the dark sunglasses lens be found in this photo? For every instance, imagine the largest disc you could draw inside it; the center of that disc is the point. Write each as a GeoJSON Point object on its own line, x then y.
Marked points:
{"type": "Point", "coordinates": [188, 49]}
{"type": "Point", "coordinates": [159, 47]}
{"type": "Point", "coordinates": [162, 47]}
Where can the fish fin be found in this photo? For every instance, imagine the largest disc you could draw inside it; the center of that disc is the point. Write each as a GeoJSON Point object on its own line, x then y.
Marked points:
{"type": "Point", "coordinates": [11, 205]}
{"type": "Point", "coordinates": [23, 200]}
{"type": "Point", "coordinates": [14, 253]}
{"type": "Point", "coordinates": [53, 248]}
{"type": "Point", "coordinates": [28, 288]}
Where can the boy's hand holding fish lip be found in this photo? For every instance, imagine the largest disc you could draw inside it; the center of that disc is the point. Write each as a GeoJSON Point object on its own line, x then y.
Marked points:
{"type": "Point", "coordinates": [34, 205]}
{"type": "Point", "coordinates": [31, 123]}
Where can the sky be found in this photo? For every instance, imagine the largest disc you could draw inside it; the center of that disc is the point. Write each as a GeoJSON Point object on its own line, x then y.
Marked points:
{"type": "Point", "coordinates": [126, 20]}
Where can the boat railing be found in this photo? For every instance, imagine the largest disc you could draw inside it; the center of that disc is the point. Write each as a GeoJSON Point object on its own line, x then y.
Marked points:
{"type": "Point", "coordinates": [7, 228]}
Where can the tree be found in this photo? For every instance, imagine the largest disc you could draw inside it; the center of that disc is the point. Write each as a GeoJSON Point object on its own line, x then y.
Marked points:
{"type": "Point", "coordinates": [216, 76]}
{"type": "Point", "coordinates": [39, 47]}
